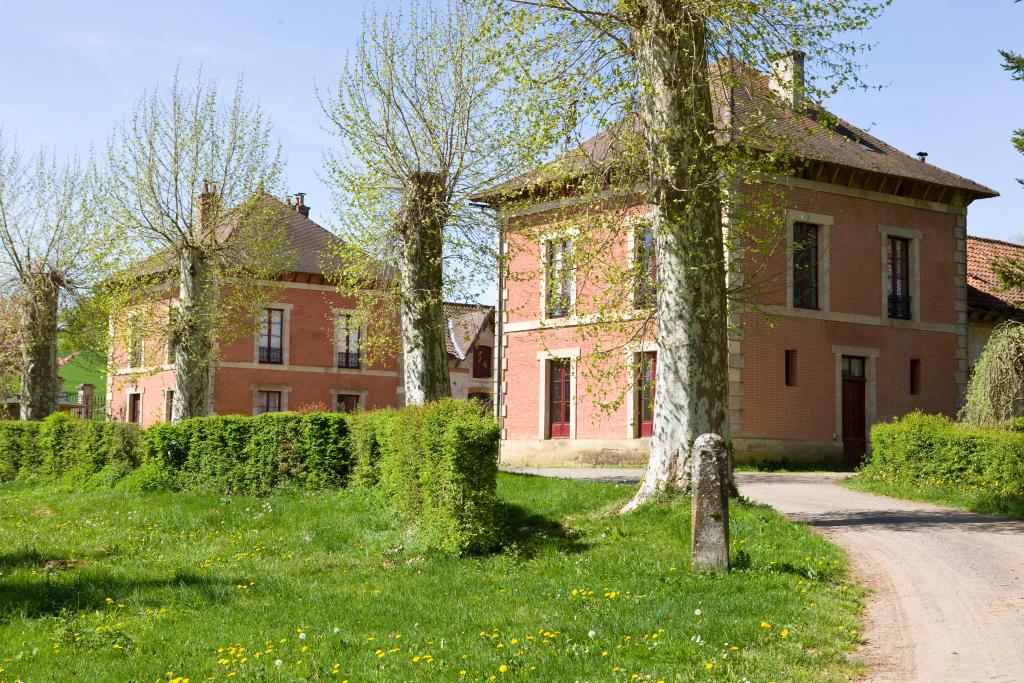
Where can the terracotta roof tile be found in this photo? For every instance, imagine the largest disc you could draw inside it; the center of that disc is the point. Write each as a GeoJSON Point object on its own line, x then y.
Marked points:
{"type": "Point", "coordinates": [983, 288]}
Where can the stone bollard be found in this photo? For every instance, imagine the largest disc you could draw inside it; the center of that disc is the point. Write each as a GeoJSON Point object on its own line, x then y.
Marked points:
{"type": "Point", "coordinates": [710, 520]}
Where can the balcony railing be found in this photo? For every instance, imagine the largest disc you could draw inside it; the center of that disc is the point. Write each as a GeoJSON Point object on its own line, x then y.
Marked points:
{"type": "Point", "coordinates": [899, 307]}
{"type": "Point", "coordinates": [270, 355]}
{"type": "Point", "coordinates": [348, 359]}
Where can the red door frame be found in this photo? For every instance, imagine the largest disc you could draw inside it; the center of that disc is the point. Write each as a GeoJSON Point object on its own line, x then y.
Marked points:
{"type": "Point", "coordinates": [559, 398]}
{"type": "Point", "coordinates": [648, 371]}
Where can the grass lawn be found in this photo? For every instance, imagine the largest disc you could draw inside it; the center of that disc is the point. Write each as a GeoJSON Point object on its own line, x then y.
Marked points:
{"type": "Point", "coordinates": [983, 502]}
{"type": "Point", "coordinates": [86, 368]}
{"type": "Point", "coordinates": [163, 587]}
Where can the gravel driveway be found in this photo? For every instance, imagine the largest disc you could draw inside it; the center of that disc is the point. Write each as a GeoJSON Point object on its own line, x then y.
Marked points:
{"type": "Point", "coordinates": [948, 600]}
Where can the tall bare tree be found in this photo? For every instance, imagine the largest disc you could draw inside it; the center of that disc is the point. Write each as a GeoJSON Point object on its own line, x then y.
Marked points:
{"type": "Point", "coordinates": [49, 252]}
{"type": "Point", "coordinates": [651, 73]}
{"type": "Point", "coordinates": [10, 341]}
{"type": "Point", "coordinates": [189, 173]}
{"type": "Point", "coordinates": [422, 126]}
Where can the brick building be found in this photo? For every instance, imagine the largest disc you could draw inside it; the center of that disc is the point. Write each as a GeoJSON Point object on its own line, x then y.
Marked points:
{"type": "Point", "coordinates": [867, 318]}
{"type": "Point", "coordinates": [304, 352]}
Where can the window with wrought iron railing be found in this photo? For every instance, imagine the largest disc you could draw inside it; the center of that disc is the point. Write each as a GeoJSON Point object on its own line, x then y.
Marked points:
{"type": "Point", "coordinates": [559, 275]}
{"type": "Point", "coordinates": [898, 278]}
{"type": "Point", "coordinates": [347, 335]}
{"type": "Point", "coordinates": [805, 266]}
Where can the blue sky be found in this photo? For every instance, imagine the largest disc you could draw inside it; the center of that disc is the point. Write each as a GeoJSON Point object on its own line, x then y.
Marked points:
{"type": "Point", "coordinates": [70, 70]}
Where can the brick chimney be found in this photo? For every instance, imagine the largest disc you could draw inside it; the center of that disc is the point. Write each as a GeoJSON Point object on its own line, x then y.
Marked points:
{"type": "Point", "coordinates": [300, 204]}
{"type": "Point", "coordinates": [787, 77]}
{"type": "Point", "coordinates": [208, 209]}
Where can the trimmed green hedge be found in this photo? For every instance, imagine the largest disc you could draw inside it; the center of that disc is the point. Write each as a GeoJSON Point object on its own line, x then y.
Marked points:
{"type": "Point", "coordinates": [246, 455]}
{"type": "Point", "coordinates": [17, 445]}
{"type": "Point", "coordinates": [77, 453]}
{"type": "Point", "coordinates": [436, 465]}
{"type": "Point", "coordinates": [934, 451]}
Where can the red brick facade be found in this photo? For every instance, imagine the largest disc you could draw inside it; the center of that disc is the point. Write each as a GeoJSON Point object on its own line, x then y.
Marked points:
{"type": "Point", "coordinates": [770, 418]}
{"type": "Point", "coordinates": [307, 378]}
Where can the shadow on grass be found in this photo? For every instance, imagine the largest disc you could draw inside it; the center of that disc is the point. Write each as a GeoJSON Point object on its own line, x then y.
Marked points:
{"type": "Point", "coordinates": [57, 593]}
{"type": "Point", "coordinates": [786, 466]}
{"type": "Point", "coordinates": [527, 533]}
{"type": "Point", "coordinates": [23, 559]}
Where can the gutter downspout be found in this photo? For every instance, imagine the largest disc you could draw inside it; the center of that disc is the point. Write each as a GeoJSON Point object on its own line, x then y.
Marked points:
{"type": "Point", "coordinates": [498, 328]}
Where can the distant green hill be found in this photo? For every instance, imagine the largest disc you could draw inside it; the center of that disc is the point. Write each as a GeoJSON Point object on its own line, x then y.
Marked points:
{"type": "Point", "coordinates": [85, 368]}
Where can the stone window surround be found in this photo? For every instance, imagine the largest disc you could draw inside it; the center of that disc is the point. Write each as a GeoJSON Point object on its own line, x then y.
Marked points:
{"type": "Point", "coordinates": [285, 389]}
{"type": "Point", "coordinates": [572, 355]}
{"type": "Point", "coordinates": [824, 223]}
{"type": "Point", "coordinates": [547, 237]}
{"type": "Point", "coordinates": [914, 236]}
{"type": "Point", "coordinates": [286, 326]}
{"type": "Point", "coordinates": [870, 356]}
{"type": "Point", "coordinates": [361, 393]}
{"type": "Point", "coordinates": [632, 352]}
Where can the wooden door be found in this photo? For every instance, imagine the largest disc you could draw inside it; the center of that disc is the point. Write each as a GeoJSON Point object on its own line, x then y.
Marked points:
{"type": "Point", "coordinates": [135, 408]}
{"type": "Point", "coordinates": [854, 413]}
{"type": "Point", "coordinates": [560, 400]}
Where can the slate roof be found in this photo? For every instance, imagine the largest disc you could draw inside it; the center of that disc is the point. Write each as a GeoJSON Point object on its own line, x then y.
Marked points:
{"type": "Point", "coordinates": [312, 245]}
{"type": "Point", "coordinates": [464, 323]}
{"type": "Point", "coordinates": [983, 290]}
{"type": "Point", "coordinates": [749, 100]}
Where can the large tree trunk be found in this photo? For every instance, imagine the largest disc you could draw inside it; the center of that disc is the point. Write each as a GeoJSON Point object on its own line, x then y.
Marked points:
{"type": "Point", "coordinates": [424, 354]}
{"type": "Point", "coordinates": [692, 372]}
{"type": "Point", "coordinates": [39, 381]}
{"type": "Point", "coordinates": [192, 337]}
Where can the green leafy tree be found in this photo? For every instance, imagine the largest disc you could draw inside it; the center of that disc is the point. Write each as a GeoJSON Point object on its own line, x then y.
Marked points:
{"type": "Point", "coordinates": [50, 254]}
{"type": "Point", "coordinates": [666, 81]}
{"type": "Point", "coordinates": [422, 125]}
{"type": "Point", "coordinates": [188, 183]}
